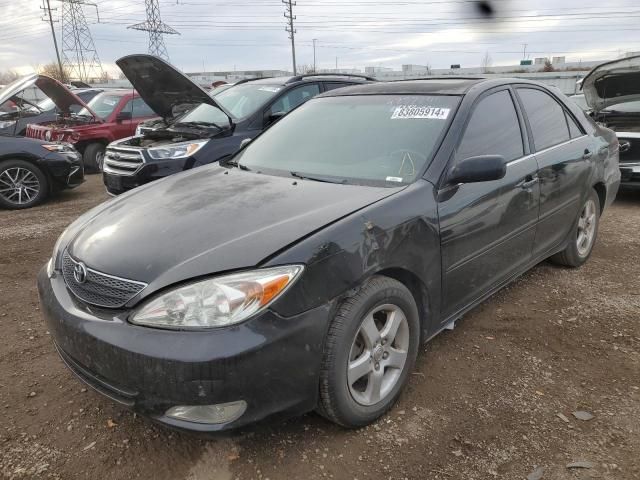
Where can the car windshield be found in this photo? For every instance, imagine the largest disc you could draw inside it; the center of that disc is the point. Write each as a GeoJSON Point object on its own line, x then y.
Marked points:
{"type": "Point", "coordinates": [244, 99]}
{"type": "Point", "coordinates": [382, 140]}
{"type": "Point", "coordinates": [205, 114]}
{"type": "Point", "coordinates": [103, 105]}
{"type": "Point", "coordinates": [627, 107]}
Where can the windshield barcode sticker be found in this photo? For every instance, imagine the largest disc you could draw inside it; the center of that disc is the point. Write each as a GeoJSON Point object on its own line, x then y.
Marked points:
{"type": "Point", "coordinates": [416, 111]}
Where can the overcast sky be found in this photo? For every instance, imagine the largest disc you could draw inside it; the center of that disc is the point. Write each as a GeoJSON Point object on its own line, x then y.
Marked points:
{"type": "Point", "coordinates": [249, 34]}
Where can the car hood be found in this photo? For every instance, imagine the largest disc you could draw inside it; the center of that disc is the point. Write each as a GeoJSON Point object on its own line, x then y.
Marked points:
{"type": "Point", "coordinates": [209, 220]}
{"type": "Point", "coordinates": [61, 96]}
{"type": "Point", "coordinates": [162, 86]}
{"type": "Point", "coordinates": [612, 83]}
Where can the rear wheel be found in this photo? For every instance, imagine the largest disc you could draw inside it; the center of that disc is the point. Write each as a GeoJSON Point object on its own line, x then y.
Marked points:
{"type": "Point", "coordinates": [371, 347]}
{"type": "Point", "coordinates": [22, 185]}
{"type": "Point", "coordinates": [93, 157]}
{"type": "Point", "coordinates": [584, 234]}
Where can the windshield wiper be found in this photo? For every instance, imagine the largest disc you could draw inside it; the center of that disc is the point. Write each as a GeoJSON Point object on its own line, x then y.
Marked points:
{"type": "Point", "coordinates": [200, 124]}
{"type": "Point", "coordinates": [235, 163]}
{"type": "Point", "coordinates": [316, 178]}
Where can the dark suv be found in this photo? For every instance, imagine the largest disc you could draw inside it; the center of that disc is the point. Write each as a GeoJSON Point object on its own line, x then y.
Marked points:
{"type": "Point", "coordinates": [213, 127]}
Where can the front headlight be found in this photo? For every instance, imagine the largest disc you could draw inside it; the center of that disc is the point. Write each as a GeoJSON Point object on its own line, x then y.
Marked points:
{"type": "Point", "coordinates": [7, 124]}
{"type": "Point", "coordinates": [219, 301]}
{"type": "Point", "coordinates": [59, 147]}
{"type": "Point", "coordinates": [177, 150]}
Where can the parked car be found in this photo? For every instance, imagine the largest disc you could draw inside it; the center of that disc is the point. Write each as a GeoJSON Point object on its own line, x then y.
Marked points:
{"type": "Point", "coordinates": [306, 273]}
{"type": "Point", "coordinates": [612, 94]}
{"type": "Point", "coordinates": [30, 170]}
{"type": "Point", "coordinates": [110, 115]}
{"type": "Point", "coordinates": [15, 121]}
{"type": "Point", "coordinates": [213, 127]}
{"type": "Point", "coordinates": [579, 100]}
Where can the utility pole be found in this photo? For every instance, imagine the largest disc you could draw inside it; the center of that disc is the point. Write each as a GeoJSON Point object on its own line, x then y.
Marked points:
{"type": "Point", "coordinates": [288, 14]}
{"type": "Point", "coordinates": [156, 28]}
{"type": "Point", "coordinates": [314, 55]}
{"type": "Point", "coordinates": [53, 34]}
{"type": "Point", "coordinates": [524, 51]}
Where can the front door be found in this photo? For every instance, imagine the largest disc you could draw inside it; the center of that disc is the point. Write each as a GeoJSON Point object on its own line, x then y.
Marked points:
{"type": "Point", "coordinates": [487, 229]}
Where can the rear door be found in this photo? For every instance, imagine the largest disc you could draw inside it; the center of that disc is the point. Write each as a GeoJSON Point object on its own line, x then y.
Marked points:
{"type": "Point", "coordinates": [487, 229]}
{"type": "Point", "coordinates": [564, 153]}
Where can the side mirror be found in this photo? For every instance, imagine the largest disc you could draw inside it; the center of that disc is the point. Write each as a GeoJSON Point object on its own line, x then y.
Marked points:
{"type": "Point", "coordinates": [274, 117]}
{"type": "Point", "coordinates": [482, 168]}
{"type": "Point", "coordinates": [122, 116]}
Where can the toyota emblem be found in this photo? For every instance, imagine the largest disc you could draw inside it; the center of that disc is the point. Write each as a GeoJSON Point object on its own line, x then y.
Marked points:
{"type": "Point", "coordinates": [80, 272]}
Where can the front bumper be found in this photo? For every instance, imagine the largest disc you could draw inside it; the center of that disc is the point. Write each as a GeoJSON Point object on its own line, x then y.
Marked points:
{"type": "Point", "coordinates": [65, 169]}
{"type": "Point", "coordinates": [630, 175]}
{"type": "Point", "coordinates": [270, 362]}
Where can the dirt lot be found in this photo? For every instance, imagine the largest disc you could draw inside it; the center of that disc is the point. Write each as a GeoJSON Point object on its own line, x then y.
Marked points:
{"type": "Point", "coordinates": [492, 399]}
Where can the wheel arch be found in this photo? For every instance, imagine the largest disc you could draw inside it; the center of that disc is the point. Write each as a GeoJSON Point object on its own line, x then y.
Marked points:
{"type": "Point", "coordinates": [417, 288]}
{"type": "Point", "coordinates": [601, 190]}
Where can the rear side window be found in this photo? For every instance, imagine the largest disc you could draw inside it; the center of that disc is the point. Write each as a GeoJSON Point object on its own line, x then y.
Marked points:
{"type": "Point", "coordinates": [574, 130]}
{"type": "Point", "coordinates": [493, 129]}
{"type": "Point", "coordinates": [546, 118]}
{"type": "Point", "coordinates": [295, 97]}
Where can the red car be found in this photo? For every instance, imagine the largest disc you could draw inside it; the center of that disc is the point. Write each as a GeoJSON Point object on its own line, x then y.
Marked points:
{"type": "Point", "coordinates": [110, 115]}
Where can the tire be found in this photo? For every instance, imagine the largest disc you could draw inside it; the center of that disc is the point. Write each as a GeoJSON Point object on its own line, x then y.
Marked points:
{"type": "Point", "coordinates": [22, 185]}
{"type": "Point", "coordinates": [93, 157]}
{"type": "Point", "coordinates": [349, 399]}
{"type": "Point", "coordinates": [578, 251]}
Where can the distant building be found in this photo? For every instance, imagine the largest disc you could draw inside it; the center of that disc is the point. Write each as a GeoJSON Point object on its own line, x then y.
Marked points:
{"type": "Point", "coordinates": [558, 60]}
{"type": "Point", "coordinates": [540, 60]}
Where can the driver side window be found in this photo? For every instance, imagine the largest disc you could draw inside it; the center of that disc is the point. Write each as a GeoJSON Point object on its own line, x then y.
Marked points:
{"type": "Point", "coordinates": [493, 129]}
{"type": "Point", "coordinates": [293, 98]}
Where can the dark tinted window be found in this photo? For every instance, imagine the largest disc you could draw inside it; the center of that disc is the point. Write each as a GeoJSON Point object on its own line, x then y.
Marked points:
{"type": "Point", "coordinates": [139, 108]}
{"type": "Point", "coordinates": [333, 85]}
{"type": "Point", "coordinates": [574, 130]}
{"type": "Point", "coordinates": [546, 117]}
{"type": "Point", "coordinates": [493, 129]}
{"type": "Point", "coordinates": [295, 97]}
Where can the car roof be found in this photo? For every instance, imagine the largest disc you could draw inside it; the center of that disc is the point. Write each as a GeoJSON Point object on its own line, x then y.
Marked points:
{"type": "Point", "coordinates": [119, 91]}
{"type": "Point", "coordinates": [307, 78]}
{"type": "Point", "coordinates": [450, 85]}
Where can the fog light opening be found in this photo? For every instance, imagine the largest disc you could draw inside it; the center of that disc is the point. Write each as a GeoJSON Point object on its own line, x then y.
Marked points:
{"type": "Point", "coordinates": [211, 414]}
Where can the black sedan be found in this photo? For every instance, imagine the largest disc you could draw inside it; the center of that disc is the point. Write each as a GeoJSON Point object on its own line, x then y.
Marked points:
{"type": "Point", "coordinates": [31, 169]}
{"type": "Point", "coordinates": [306, 273]}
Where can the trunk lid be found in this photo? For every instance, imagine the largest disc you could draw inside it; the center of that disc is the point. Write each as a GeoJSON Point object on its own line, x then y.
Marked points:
{"type": "Point", "coordinates": [162, 86]}
{"type": "Point", "coordinates": [612, 83]}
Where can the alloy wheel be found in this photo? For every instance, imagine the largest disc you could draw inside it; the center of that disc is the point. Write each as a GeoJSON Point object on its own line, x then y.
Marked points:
{"type": "Point", "coordinates": [586, 228]}
{"type": "Point", "coordinates": [378, 354]}
{"type": "Point", "coordinates": [19, 186]}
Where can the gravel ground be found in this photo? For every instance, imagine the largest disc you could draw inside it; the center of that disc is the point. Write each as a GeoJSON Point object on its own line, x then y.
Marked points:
{"type": "Point", "coordinates": [542, 381]}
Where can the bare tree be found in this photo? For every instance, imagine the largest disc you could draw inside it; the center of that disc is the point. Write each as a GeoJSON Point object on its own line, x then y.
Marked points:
{"type": "Point", "coordinates": [8, 77]}
{"type": "Point", "coordinates": [53, 70]}
{"type": "Point", "coordinates": [548, 67]}
{"type": "Point", "coordinates": [486, 62]}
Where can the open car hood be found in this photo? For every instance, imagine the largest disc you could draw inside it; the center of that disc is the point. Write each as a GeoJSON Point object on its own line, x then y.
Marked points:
{"type": "Point", "coordinates": [612, 82]}
{"type": "Point", "coordinates": [62, 97]}
{"type": "Point", "coordinates": [162, 86]}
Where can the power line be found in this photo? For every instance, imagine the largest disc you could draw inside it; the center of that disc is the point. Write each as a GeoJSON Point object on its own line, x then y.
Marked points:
{"type": "Point", "coordinates": [156, 28]}
{"type": "Point", "coordinates": [288, 14]}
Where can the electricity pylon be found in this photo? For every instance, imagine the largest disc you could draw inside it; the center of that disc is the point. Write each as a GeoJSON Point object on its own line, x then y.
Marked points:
{"type": "Point", "coordinates": [156, 28]}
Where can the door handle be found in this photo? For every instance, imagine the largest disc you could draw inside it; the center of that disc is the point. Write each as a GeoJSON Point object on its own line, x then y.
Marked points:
{"type": "Point", "coordinates": [587, 154]}
{"type": "Point", "coordinates": [528, 182]}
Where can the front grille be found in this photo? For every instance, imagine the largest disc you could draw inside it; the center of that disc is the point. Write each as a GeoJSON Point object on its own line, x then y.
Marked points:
{"type": "Point", "coordinates": [99, 288]}
{"type": "Point", "coordinates": [122, 160]}
{"type": "Point", "coordinates": [633, 154]}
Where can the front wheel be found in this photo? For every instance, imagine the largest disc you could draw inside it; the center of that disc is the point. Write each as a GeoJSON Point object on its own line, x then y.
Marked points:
{"type": "Point", "coordinates": [22, 185]}
{"type": "Point", "coordinates": [370, 349]}
{"type": "Point", "coordinates": [93, 157]}
{"type": "Point", "coordinates": [584, 234]}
